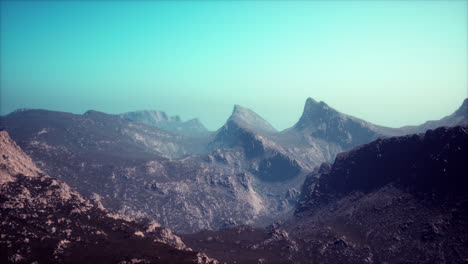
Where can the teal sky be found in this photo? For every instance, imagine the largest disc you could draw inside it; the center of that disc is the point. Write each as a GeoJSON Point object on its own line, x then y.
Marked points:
{"type": "Point", "coordinates": [392, 63]}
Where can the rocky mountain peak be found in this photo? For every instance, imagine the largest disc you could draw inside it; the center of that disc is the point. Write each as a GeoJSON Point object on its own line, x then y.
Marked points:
{"type": "Point", "coordinates": [244, 129]}
{"type": "Point", "coordinates": [315, 113]}
{"type": "Point", "coordinates": [322, 121]}
{"type": "Point", "coordinates": [248, 119]}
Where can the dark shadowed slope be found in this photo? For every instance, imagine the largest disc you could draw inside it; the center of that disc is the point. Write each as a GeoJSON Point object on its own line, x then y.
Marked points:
{"type": "Point", "coordinates": [433, 162]}
{"type": "Point", "coordinates": [44, 220]}
{"type": "Point", "coordinates": [395, 200]}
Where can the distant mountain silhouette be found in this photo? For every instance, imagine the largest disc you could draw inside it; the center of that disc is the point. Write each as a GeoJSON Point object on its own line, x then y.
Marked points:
{"type": "Point", "coordinates": [190, 128]}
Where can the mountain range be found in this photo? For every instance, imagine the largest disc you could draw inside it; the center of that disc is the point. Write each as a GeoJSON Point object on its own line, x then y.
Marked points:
{"type": "Point", "coordinates": [395, 200]}
{"type": "Point", "coordinates": [331, 189]}
{"type": "Point", "coordinates": [143, 164]}
{"type": "Point", "coordinates": [190, 128]}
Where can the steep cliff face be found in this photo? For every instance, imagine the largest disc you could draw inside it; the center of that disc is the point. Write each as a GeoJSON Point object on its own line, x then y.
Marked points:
{"type": "Point", "coordinates": [43, 220]}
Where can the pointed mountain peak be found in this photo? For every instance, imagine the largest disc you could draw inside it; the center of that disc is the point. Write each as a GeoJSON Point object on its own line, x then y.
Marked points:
{"type": "Point", "coordinates": [313, 105]}
{"type": "Point", "coordinates": [314, 113]}
{"type": "Point", "coordinates": [238, 109]}
{"type": "Point", "coordinates": [248, 119]}
{"type": "Point", "coordinates": [311, 101]}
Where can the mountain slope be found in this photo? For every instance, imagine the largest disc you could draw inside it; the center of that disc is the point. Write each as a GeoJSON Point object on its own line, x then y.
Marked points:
{"type": "Point", "coordinates": [458, 118]}
{"type": "Point", "coordinates": [190, 128]}
{"type": "Point", "coordinates": [401, 199]}
{"type": "Point", "coordinates": [395, 200]}
{"type": "Point", "coordinates": [250, 120]}
{"type": "Point", "coordinates": [43, 220]}
{"type": "Point", "coordinates": [322, 132]}
{"type": "Point", "coordinates": [90, 153]}
{"type": "Point", "coordinates": [94, 132]}
{"type": "Point", "coordinates": [244, 129]}
{"type": "Point", "coordinates": [323, 122]}
{"type": "Point", "coordinates": [247, 132]}
{"type": "Point", "coordinates": [142, 171]}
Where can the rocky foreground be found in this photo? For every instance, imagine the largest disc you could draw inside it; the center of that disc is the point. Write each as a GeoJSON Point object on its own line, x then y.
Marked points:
{"type": "Point", "coordinates": [44, 221]}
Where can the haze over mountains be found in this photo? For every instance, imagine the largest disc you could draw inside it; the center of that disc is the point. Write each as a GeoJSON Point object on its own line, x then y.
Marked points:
{"type": "Point", "coordinates": [190, 128]}
{"type": "Point", "coordinates": [142, 170]}
{"type": "Point", "coordinates": [145, 164]}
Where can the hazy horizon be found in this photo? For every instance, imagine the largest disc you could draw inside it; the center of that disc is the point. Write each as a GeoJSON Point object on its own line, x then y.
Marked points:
{"type": "Point", "coordinates": [392, 63]}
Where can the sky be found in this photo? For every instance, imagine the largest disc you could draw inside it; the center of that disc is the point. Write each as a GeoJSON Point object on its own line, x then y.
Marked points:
{"type": "Point", "coordinates": [393, 63]}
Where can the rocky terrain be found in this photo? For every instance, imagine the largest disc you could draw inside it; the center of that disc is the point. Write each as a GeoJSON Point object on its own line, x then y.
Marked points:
{"type": "Point", "coordinates": [402, 199]}
{"type": "Point", "coordinates": [395, 200]}
{"type": "Point", "coordinates": [103, 160]}
{"type": "Point", "coordinates": [45, 221]}
{"type": "Point", "coordinates": [136, 166]}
